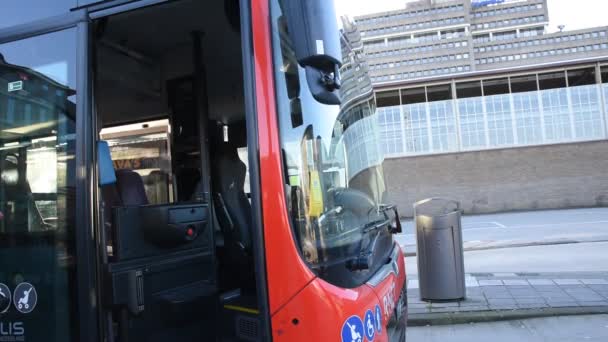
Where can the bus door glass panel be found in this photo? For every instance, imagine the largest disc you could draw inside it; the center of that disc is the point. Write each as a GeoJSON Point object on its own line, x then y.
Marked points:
{"type": "Point", "coordinates": [15, 12]}
{"type": "Point", "coordinates": [37, 187]}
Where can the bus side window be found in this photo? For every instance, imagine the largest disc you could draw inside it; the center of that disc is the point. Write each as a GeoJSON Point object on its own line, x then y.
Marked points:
{"type": "Point", "coordinates": [144, 148]}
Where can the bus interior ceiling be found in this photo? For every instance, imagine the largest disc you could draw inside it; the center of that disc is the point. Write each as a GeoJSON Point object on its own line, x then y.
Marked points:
{"type": "Point", "coordinates": [145, 70]}
{"type": "Point", "coordinates": [139, 52]}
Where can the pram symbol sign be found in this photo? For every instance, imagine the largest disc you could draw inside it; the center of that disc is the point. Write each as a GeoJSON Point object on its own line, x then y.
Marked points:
{"type": "Point", "coordinates": [352, 330]}
{"type": "Point", "coordinates": [5, 298]}
{"type": "Point", "coordinates": [25, 298]}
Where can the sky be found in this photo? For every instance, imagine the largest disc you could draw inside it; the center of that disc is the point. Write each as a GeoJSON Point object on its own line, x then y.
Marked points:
{"type": "Point", "coordinates": [575, 14]}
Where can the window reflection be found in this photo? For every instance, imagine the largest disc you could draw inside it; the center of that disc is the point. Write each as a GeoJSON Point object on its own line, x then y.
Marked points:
{"type": "Point", "coordinates": [15, 12]}
{"type": "Point", "coordinates": [37, 184]}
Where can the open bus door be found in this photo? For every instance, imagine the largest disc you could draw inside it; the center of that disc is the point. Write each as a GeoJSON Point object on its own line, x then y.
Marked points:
{"type": "Point", "coordinates": [166, 263]}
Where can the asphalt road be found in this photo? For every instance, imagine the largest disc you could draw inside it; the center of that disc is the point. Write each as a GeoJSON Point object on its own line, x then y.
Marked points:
{"type": "Point", "coordinates": [534, 226]}
{"type": "Point", "coordinates": [552, 329]}
{"type": "Point", "coordinates": [579, 257]}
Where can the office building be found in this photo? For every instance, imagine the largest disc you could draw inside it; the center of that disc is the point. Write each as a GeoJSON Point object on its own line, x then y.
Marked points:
{"type": "Point", "coordinates": [476, 101]}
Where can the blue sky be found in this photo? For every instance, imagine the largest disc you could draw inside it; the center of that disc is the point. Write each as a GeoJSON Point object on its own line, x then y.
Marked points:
{"type": "Point", "coordinates": [575, 14]}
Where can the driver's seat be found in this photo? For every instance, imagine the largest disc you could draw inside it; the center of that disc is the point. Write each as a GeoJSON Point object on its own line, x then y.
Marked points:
{"type": "Point", "coordinates": [232, 207]}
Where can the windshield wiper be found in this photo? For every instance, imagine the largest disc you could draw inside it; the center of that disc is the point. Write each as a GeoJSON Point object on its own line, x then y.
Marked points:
{"type": "Point", "coordinates": [375, 225]}
{"type": "Point", "coordinates": [362, 260]}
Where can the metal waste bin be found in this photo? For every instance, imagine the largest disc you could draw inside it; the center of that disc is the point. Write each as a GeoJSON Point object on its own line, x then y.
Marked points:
{"type": "Point", "coordinates": [439, 248]}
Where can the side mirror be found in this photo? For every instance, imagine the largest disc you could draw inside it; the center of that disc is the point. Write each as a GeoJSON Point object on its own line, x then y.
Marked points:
{"type": "Point", "coordinates": [104, 161]}
{"type": "Point", "coordinates": [396, 225]}
{"type": "Point", "coordinates": [395, 221]}
{"type": "Point", "coordinates": [313, 29]}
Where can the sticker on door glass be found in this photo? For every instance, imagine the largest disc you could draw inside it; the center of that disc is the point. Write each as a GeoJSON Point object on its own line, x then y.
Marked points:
{"type": "Point", "coordinates": [15, 86]}
{"type": "Point", "coordinates": [352, 330]}
{"type": "Point", "coordinates": [5, 298]}
{"type": "Point", "coordinates": [25, 298]}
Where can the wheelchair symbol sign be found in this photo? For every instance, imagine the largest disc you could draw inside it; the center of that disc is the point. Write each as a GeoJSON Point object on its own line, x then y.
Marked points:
{"type": "Point", "coordinates": [5, 298]}
{"type": "Point", "coordinates": [369, 325]}
{"type": "Point", "coordinates": [25, 298]}
{"type": "Point", "coordinates": [352, 330]}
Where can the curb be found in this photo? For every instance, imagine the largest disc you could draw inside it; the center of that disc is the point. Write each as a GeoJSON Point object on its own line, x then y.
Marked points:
{"type": "Point", "coordinates": [516, 245]}
{"type": "Point", "coordinates": [417, 320]}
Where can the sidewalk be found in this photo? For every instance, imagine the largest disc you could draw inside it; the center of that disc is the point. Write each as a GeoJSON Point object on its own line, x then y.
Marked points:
{"type": "Point", "coordinates": [480, 245]}
{"type": "Point", "coordinates": [500, 296]}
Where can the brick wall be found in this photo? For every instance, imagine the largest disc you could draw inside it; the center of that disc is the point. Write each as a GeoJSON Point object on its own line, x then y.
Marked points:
{"type": "Point", "coordinates": [528, 178]}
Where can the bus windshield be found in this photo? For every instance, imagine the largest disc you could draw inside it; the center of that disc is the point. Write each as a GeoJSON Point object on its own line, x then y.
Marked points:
{"type": "Point", "coordinates": [333, 164]}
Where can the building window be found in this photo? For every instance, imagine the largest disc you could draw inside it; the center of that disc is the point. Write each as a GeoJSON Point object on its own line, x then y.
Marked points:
{"type": "Point", "coordinates": [520, 84]}
{"type": "Point", "coordinates": [496, 86]}
{"type": "Point", "coordinates": [387, 99]}
{"type": "Point", "coordinates": [604, 73]}
{"type": "Point", "coordinates": [439, 92]}
{"type": "Point", "coordinates": [581, 77]}
{"type": "Point", "coordinates": [552, 80]}
{"type": "Point", "coordinates": [413, 95]}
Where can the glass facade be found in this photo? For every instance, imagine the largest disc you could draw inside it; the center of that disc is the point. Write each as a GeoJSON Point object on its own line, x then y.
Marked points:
{"type": "Point", "coordinates": [443, 125]}
{"type": "Point", "coordinates": [472, 122]}
{"type": "Point", "coordinates": [499, 120]}
{"type": "Point", "coordinates": [417, 137]}
{"type": "Point", "coordinates": [586, 112]}
{"type": "Point", "coordinates": [528, 118]}
{"type": "Point", "coordinates": [558, 115]}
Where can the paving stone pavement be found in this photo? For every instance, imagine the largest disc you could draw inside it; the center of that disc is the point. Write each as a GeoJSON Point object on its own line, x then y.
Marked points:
{"type": "Point", "coordinates": [517, 291]}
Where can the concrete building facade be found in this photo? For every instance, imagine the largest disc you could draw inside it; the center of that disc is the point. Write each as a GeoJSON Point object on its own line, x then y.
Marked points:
{"type": "Point", "coordinates": [476, 102]}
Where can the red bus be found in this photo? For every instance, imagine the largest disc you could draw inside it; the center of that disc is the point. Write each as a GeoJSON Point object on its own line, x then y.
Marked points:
{"type": "Point", "coordinates": [191, 171]}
